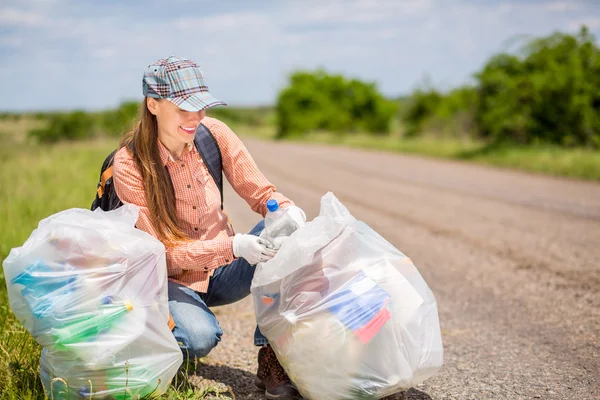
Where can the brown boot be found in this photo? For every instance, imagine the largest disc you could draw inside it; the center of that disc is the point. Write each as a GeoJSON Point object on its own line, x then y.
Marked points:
{"type": "Point", "coordinates": [272, 378]}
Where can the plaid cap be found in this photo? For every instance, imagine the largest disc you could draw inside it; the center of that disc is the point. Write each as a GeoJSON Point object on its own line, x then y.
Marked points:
{"type": "Point", "coordinates": [181, 82]}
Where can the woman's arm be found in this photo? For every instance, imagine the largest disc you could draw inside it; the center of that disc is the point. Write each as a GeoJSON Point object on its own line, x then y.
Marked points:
{"type": "Point", "coordinates": [191, 255]}
{"type": "Point", "coordinates": [241, 170]}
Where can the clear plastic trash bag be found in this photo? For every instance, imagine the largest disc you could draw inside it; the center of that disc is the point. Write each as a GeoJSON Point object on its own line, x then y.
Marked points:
{"type": "Point", "coordinates": [92, 290]}
{"type": "Point", "coordinates": [348, 315]}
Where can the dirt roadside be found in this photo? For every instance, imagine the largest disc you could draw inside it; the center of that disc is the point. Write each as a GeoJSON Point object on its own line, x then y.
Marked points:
{"type": "Point", "coordinates": [511, 257]}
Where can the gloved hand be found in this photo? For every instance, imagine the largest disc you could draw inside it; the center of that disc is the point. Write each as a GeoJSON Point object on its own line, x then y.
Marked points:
{"type": "Point", "coordinates": [298, 218]}
{"type": "Point", "coordinates": [252, 248]}
{"type": "Point", "coordinates": [296, 215]}
{"type": "Point", "coordinates": [278, 242]}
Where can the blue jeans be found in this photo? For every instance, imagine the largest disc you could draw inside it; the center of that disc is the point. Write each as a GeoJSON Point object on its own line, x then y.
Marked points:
{"type": "Point", "coordinates": [197, 330]}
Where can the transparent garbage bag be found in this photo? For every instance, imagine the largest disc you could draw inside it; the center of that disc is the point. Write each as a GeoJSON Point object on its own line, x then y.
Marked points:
{"type": "Point", "coordinates": [348, 315]}
{"type": "Point", "coordinates": [92, 290]}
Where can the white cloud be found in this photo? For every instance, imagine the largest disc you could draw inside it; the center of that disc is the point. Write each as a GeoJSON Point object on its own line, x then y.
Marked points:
{"type": "Point", "coordinates": [15, 17]}
{"type": "Point", "coordinates": [561, 6]}
{"type": "Point", "coordinates": [11, 42]}
{"type": "Point", "coordinates": [104, 52]}
{"type": "Point", "coordinates": [223, 22]}
{"type": "Point", "coordinates": [592, 23]}
{"type": "Point", "coordinates": [352, 11]}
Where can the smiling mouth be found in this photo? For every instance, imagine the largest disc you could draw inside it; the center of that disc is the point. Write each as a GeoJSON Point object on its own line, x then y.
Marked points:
{"type": "Point", "coordinates": [188, 130]}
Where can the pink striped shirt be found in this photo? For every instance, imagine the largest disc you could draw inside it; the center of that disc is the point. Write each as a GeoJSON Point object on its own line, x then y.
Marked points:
{"type": "Point", "coordinates": [198, 202]}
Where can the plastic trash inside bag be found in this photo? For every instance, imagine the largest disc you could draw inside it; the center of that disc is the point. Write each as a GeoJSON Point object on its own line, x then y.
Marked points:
{"type": "Point", "coordinates": [139, 378]}
{"type": "Point", "coordinates": [92, 290]}
{"type": "Point", "coordinates": [348, 315]}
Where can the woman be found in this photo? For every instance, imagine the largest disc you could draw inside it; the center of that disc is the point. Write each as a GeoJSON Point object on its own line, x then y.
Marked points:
{"type": "Point", "coordinates": [208, 265]}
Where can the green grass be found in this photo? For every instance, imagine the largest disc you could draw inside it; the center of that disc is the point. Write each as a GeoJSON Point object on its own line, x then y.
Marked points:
{"type": "Point", "coordinates": [544, 159]}
{"type": "Point", "coordinates": [35, 182]}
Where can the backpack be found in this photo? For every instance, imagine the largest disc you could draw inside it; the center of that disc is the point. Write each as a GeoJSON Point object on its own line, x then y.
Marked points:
{"type": "Point", "coordinates": [206, 144]}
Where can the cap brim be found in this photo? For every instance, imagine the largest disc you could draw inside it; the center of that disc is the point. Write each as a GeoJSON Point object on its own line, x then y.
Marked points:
{"type": "Point", "coordinates": [196, 102]}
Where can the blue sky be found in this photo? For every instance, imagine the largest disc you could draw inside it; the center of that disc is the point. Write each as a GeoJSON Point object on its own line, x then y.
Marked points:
{"type": "Point", "coordinates": [64, 54]}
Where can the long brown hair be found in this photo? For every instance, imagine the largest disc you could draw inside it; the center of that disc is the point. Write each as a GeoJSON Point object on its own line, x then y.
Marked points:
{"type": "Point", "coordinates": [143, 139]}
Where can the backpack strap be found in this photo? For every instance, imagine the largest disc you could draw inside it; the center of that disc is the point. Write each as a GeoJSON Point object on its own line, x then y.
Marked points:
{"type": "Point", "coordinates": [209, 150]}
{"type": "Point", "coordinates": [104, 185]}
{"type": "Point", "coordinates": [106, 175]}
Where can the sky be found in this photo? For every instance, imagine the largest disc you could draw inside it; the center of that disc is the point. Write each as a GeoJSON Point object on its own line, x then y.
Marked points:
{"type": "Point", "coordinates": [68, 54]}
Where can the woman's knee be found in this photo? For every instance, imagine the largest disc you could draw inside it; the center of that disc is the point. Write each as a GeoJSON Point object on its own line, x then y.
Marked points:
{"type": "Point", "coordinates": [200, 340]}
{"type": "Point", "coordinates": [196, 329]}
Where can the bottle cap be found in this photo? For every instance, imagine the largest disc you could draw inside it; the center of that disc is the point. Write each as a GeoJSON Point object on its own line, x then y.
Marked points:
{"type": "Point", "coordinates": [272, 205]}
{"type": "Point", "coordinates": [128, 305]}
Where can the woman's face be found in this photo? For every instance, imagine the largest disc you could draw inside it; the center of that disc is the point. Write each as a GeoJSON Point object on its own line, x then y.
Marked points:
{"type": "Point", "coordinates": [174, 124]}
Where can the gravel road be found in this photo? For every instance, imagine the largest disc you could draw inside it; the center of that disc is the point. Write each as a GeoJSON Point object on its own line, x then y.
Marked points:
{"type": "Point", "coordinates": [512, 258]}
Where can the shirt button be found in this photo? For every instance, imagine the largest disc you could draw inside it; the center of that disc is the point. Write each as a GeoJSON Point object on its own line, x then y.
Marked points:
{"type": "Point", "coordinates": [183, 165]}
{"type": "Point", "coordinates": [226, 260]}
{"type": "Point", "coordinates": [196, 229]}
{"type": "Point", "coordinates": [194, 207]}
{"type": "Point", "coordinates": [205, 269]}
{"type": "Point", "coordinates": [189, 186]}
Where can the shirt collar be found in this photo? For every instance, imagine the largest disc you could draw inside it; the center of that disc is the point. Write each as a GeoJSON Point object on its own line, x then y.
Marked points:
{"type": "Point", "coordinates": [165, 155]}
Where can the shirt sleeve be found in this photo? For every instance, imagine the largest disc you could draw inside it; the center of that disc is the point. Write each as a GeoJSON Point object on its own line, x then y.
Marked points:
{"type": "Point", "coordinates": [186, 255]}
{"type": "Point", "coordinates": [241, 170]}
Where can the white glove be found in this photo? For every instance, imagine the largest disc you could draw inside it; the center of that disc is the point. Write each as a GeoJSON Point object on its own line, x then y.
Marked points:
{"type": "Point", "coordinates": [296, 215]}
{"type": "Point", "coordinates": [278, 242]}
{"type": "Point", "coordinates": [252, 248]}
{"type": "Point", "coordinates": [273, 243]}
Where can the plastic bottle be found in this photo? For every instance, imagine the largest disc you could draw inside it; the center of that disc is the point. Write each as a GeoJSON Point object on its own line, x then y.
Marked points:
{"type": "Point", "coordinates": [138, 380]}
{"type": "Point", "coordinates": [277, 221]}
{"type": "Point", "coordinates": [43, 285]}
{"type": "Point", "coordinates": [87, 329]}
{"type": "Point", "coordinates": [43, 279]}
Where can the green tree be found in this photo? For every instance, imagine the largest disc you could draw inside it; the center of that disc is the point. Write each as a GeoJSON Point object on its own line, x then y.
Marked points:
{"type": "Point", "coordinates": [551, 93]}
{"type": "Point", "coordinates": [421, 107]}
{"type": "Point", "coordinates": [316, 101]}
{"type": "Point", "coordinates": [74, 125]}
{"type": "Point", "coordinates": [115, 122]}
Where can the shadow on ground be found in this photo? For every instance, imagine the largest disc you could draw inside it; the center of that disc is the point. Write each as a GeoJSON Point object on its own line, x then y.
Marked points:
{"type": "Point", "coordinates": [242, 383]}
{"type": "Point", "coordinates": [410, 394]}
